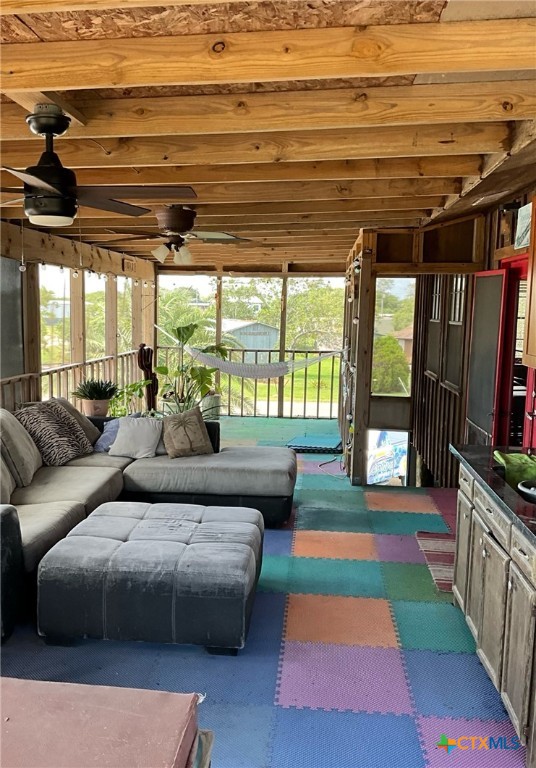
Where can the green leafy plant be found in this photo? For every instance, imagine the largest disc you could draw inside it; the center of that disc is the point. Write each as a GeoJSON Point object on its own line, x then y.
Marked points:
{"type": "Point", "coordinates": [122, 402]}
{"type": "Point", "coordinates": [187, 383]}
{"type": "Point", "coordinates": [96, 389]}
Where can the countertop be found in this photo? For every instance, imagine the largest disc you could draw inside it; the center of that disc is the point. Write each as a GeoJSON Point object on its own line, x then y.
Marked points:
{"type": "Point", "coordinates": [479, 462]}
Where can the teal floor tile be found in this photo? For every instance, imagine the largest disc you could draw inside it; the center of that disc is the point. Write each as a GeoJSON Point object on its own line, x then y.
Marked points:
{"type": "Point", "coordinates": [406, 522]}
{"type": "Point", "coordinates": [432, 627]}
{"type": "Point", "coordinates": [326, 519]}
{"type": "Point", "coordinates": [325, 482]}
{"type": "Point", "coordinates": [408, 581]}
{"type": "Point", "coordinates": [335, 500]}
{"type": "Point", "coordinates": [274, 574]}
{"type": "Point", "coordinates": [351, 578]}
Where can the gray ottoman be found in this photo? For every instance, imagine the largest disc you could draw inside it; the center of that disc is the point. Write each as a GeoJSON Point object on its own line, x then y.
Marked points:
{"type": "Point", "coordinates": [170, 573]}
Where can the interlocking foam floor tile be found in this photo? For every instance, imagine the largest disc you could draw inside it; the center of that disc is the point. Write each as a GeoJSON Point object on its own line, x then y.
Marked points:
{"type": "Point", "coordinates": [335, 544]}
{"type": "Point", "coordinates": [398, 549]}
{"type": "Point", "coordinates": [452, 685]}
{"type": "Point", "coordinates": [312, 467]}
{"type": "Point", "coordinates": [406, 522]}
{"type": "Point", "coordinates": [242, 734]}
{"type": "Point", "coordinates": [344, 740]}
{"type": "Point", "coordinates": [325, 482]}
{"type": "Point", "coordinates": [275, 574]}
{"type": "Point", "coordinates": [336, 501]}
{"type": "Point", "coordinates": [432, 626]}
{"type": "Point", "coordinates": [322, 676]}
{"type": "Point", "coordinates": [407, 581]}
{"type": "Point", "coordinates": [340, 620]}
{"type": "Point", "coordinates": [431, 729]}
{"type": "Point", "coordinates": [277, 542]}
{"type": "Point", "coordinates": [387, 501]}
{"type": "Point", "coordinates": [316, 576]}
{"type": "Point", "coordinates": [327, 519]}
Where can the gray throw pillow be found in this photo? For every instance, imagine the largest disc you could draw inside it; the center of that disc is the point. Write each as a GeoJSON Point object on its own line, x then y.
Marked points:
{"type": "Point", "coordinates": [185, 434]}
{"type": "Point", "coordinates": [57, 435]}
{"type": "Point", "coordinates": [136, 438]}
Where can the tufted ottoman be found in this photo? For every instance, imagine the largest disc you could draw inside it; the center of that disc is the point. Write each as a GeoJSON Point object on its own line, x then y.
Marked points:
{"type": "Point", "coordinates": [169, 573]}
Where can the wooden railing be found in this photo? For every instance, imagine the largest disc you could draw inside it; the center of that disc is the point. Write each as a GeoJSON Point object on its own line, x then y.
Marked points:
{"type": "Point", "coordinates": [62, 380]}
{"type": "Point", "coordinates": [311, 392]}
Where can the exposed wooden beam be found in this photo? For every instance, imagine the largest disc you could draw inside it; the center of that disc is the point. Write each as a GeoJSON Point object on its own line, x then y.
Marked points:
{"type": "Point", "coordinates": [28, 100]}
{"type": "Point", "coordinates": [401, 49]}
{"type": "Point", "coordinates": [295, 110]}
{"type": "Point", "coordinates": [399, 141]}
{"type": "Point", "coordinates": [380, 168]}
{"type": "Point", "coordinates": [274, 191]}
{"type": "Point", "coordinates": [18, 7]}
{"type": "Point", "coordinates": [232, 210]}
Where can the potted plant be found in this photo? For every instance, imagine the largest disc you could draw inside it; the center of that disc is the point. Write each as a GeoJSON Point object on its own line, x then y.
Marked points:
{"type": "Point", "coordinates": [121, 403]}
{"type": "Point", "coordinates": [95, 395]}
{"type": "Point", "coordinates": [187, 383]}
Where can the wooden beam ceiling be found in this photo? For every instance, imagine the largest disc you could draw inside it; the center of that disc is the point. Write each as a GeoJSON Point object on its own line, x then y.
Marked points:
{"type": "Point", "coordinates": [295, 132]}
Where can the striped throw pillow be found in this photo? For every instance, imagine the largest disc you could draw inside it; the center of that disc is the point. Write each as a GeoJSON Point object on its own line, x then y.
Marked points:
{"type": "Point", "coordinates": [56, 433]}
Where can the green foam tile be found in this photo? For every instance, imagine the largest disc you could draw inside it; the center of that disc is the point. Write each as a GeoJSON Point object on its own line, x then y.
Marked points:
{"type": "Point", "coordinates": [275, 574]}
{"type": "Point", "coordinates": [330, 499]}
{"type": "Point", "coordinates": [432, 627]}
{"type": "Point", "coordinates": [406, 523]}
{"type": "Point", "coordinates": [351, 578]}
{"type": "Point", "coordinates": [318, 519]}
{"type": "Point", "coordinates": [408, 581]}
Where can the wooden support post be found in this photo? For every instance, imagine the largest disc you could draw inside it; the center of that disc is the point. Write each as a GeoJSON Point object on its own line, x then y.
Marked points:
{"type": "Point", "coordinates": [31, 319]}
{"type": "Point", "coordinates": [363, 361]}
{"type": "Point", "coordinates": [218, 298]}
{"type": "Point", "coordinates": [78, 313]}
{"type": "Point", "coordinates": [110, 318]}
{"type": "Point", "coordinates": [282, 347]}
{"type": "Point", "coordinates": [137, 303]}
{"type": "Point", "coordinates": [148, 314]}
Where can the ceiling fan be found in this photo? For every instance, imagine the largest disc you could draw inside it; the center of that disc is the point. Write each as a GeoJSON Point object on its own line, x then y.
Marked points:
{"type": "Point", "coordinates": [175, 223]}
{"type": "Point", "coordinates": [51, 194]}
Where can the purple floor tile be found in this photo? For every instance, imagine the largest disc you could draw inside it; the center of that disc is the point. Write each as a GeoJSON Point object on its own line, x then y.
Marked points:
{"type": "Point", "coordinates": [398, 549]}
{"type": "Point", "coordinates": [312, 468]}
{"type": "Point", "coordinates": [496, 756]}
{"type": "Point", "coordinates": [359, 679]}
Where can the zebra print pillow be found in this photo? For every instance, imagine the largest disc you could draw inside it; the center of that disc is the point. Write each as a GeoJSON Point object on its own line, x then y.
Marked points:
{"type": "Point", "coordinates": [57, 435]}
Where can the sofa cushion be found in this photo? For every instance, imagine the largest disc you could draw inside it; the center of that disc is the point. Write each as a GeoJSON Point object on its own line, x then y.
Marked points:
{"type": "Point", "coordinates": [7, 482]}
{"type": "Point", "coordinates": [91, 486]}
{"type": "Point", "coordinates": [185, 434]}
{"type": "Point", "coordinates": [233, 471]}
{"type": "Point", "coordinates": [56, 433]}
{"type": "Point", "coordinates": [89, 429]}
{"type": "Point", "coordinates": [43, 525]}
{"type": "Point", "coordinates": [102, 459]}
{"type": "Point", "coordinates": [107, 437]}
{"type": "Point", "coordinates": [136, 438]}
{"type": "Point", "coordinates": [18, 449]}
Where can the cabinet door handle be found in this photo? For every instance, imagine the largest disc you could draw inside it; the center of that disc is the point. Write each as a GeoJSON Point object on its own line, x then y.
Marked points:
{"type": "Point", "coordinates": [489, 511]}
{"type": "Point", "coordinates": [522, 553]}
{"type": "Point", "coordinates": [465, 515]}
{"type": "Point", "coordinates": [481, 541]}
{"type": "Point", "coordinates": [484, 553]}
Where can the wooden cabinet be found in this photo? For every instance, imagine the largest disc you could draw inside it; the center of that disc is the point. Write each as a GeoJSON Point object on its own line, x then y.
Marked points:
{"type": "Point", "coordinates": [518, 649]}
{"type": "Point", "coordinates": [495, 563]}
{"type": "Point", "coordinates": [463, 543]}
{"type": "Point", "coordinates": [475, 576]}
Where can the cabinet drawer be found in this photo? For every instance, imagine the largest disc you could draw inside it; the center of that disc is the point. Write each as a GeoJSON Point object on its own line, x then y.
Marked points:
{"type": "Point", "coordinates": [466, 483]}
{"type": "Point", "coordinates": [523, 554]}
{"type": "Point", "coordinates": [495, 518]}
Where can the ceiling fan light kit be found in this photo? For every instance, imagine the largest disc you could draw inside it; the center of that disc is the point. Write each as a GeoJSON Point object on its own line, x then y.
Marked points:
{"type": "Point", "coordinates": [160, 253]}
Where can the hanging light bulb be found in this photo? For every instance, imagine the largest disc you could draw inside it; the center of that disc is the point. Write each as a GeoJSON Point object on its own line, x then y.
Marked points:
{"type": "Point", "coordinates": [22, 265]}
{"type": "Point", "coordinates": [75, 273]}
{"type": "Point", "coordinates": [145, 284]}
{"type": "Point", "coordinates": [136, 283]}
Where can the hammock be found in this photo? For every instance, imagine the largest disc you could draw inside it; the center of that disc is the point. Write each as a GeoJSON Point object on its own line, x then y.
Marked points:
{"type": "Point", "coordinates": [256, 370]}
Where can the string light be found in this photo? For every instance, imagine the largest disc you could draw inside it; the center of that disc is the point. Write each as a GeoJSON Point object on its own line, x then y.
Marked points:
{"type": "Point", "coordinates": [145, 284]}
{"type": "Point", "coordinates": [136, 283]}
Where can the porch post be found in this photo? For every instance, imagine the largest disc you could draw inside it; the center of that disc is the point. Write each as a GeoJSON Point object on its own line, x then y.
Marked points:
{"type": "Point", "coordinates": [31, 322]}
{"type": "Point", "coordinates": [78, 330]}
{"type": "Point", "coordinates": [282, 346]}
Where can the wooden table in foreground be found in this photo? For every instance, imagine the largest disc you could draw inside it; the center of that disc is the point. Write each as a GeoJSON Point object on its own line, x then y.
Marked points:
{"type": "Point", "coordinates": [66, 725]}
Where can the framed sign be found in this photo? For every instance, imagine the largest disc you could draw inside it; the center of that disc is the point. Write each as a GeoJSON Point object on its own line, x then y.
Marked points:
{"type": "Point", "coordinates": [523, 227]}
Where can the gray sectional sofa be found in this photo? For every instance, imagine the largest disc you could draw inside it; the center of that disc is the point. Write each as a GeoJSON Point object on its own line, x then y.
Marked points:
{"type": "Point", "coordinates": [39, 505]}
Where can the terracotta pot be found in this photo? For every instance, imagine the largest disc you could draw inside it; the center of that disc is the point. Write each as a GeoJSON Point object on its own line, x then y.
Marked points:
{"type": "Point", "coordinates": [95, 407]}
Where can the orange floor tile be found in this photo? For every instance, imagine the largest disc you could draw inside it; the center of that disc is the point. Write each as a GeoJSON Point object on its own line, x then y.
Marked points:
{"type": "Point", "coordinates": [400, 502]}
{"type": "Point", "coordinates": [340, 620]}
{"type": "Point", "coordinates": [335, 545]}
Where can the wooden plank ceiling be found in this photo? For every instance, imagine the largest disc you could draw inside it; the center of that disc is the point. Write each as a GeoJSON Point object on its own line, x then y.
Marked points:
{"type": "Point", "coordinates": [296, 123]}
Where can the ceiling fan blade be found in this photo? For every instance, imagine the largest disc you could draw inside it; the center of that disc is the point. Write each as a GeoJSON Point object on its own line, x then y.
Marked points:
{"type": "Point", "coordinates": [107, 204]}
{"type": "Point", "coordinates": [214, 237]}
{"type": "Point", "coordinates": [141, 192]}
{"type": "Point", "coordinates": [31, 180]}
{"type": "Point", "coordinates": [12, 202]}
